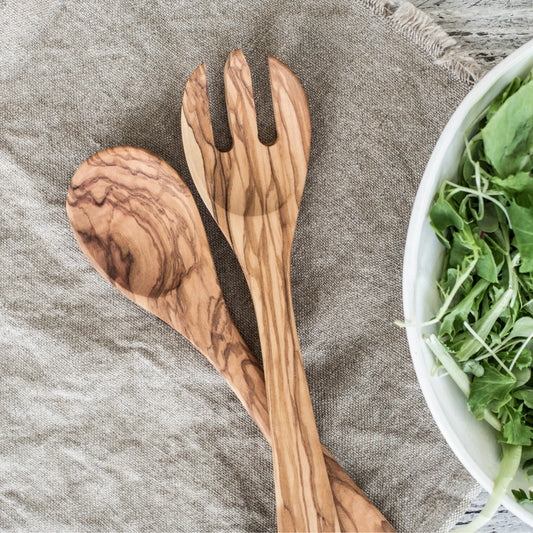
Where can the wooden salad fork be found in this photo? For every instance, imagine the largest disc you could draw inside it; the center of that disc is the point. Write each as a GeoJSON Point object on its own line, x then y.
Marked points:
{"type": "Point", "coordinates": [137, 223]}
{"type": "Point", "coordinates": [253, 191]}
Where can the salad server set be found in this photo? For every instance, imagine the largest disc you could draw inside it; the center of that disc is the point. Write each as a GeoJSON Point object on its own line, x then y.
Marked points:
{"type": "Point", "coordinates": [137, 223]}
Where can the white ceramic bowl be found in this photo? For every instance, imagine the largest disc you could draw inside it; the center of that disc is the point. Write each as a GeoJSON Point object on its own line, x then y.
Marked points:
{"type": "Point", "coordinates": [473, 441]}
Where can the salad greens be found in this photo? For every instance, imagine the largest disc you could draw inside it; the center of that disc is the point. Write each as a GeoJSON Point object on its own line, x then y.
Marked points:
{"type": "Point", "coordinates": [485, 324]}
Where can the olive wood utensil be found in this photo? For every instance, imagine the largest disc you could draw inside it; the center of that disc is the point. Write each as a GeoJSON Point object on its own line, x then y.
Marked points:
{"type": "Point", "coordinates": [253, 191]}
{"type": "Point", "coordinates": [137, 223]}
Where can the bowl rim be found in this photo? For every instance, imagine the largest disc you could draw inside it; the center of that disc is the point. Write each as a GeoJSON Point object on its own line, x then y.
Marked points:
{"type": "Point", "coordinates": [412, 246]}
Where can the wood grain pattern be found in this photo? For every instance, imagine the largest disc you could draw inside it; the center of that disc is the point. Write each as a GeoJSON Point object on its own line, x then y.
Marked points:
{"type": "Point", "coordinates": [487, 30]}
{"type": "Point", "coordinates": [138, 225]}
{"type": "Point", "coordinates": [253, 192]}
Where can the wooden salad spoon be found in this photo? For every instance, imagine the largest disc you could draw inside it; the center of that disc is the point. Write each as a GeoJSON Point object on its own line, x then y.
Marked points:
{"type": "Point", "coordinates": [253, 191]}
{"type": "Point", "coordinates": [137, 223]}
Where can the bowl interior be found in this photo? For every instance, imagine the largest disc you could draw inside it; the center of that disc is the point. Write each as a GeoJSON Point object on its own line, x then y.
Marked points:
{"type": "Point", "coordinates": [473, 441]}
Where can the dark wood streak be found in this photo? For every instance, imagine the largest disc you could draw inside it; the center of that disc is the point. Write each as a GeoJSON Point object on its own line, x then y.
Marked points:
{"type": "Point", "coordinates": [253, 192]}
{"type": "Point", "coordinates": [196, 308]}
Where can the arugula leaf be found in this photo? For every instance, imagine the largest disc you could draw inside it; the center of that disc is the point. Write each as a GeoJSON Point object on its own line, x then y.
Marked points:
{"type": "Point", "coordinates": [521, 496]}
{"type": "Point", "coordinates": [471, 345]}
{"type": "Point", "coordinates": [491, 390]}
{"type": "Point", "coordinates": [522, 183]}
{"type": "Point", "coordinates": [518, 358]}
{"type": "Point", "coordinates": [486, 266]}
{"type": "Point", "coordinates": [526, 395]}
{"type": "Point", "coordinates": [474, 152]}
{"type": "Point", "coordinates": [449, 292]}
{"type": "Point", "coordinates": [473, 367]}
{"type": "Point", "coordinates": [522, 328]}
{"type": "Point", "coordinates": [458, 314]}
{"type": "Point", "coordinates": [500, 99]}
{"type": "Point", "coordinates": [522, 222]}
{"type": "Point", "coordinates": [515, 430]}
{"type": "Point", "coordinates": [508, 135]}
{"type": "Point", "coordinates": [524, 359]}
{"type": "Point", "coordinates": [489, 223]}
{"type": "Point", "coordinates": [442, 216]}
{"type": "Point", "coordinates": [522, 377]}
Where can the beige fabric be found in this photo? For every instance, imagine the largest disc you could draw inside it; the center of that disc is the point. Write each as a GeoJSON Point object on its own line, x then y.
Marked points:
{"type": "Point", "coordinates": [109, 421]}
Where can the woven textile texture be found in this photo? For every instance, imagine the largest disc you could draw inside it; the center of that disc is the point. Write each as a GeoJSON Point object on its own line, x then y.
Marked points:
{"type": "Point", "coordinates": [109, 420]}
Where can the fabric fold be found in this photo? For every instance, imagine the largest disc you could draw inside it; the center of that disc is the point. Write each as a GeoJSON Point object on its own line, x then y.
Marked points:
{"type": "Point", "coordinates": [109, 421]}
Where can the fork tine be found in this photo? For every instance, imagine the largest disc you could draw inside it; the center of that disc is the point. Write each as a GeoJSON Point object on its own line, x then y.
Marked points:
{"type": "Point", "coordinates": [240, 100]}
{"type": "Point", "coordinates": [291, 108]}
{"type": "Point", "coordinates": [195, 116]}
{"type": "Point", "coordinates": [203, 158]}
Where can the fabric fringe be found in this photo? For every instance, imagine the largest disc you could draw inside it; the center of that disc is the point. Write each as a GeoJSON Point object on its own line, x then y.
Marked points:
{"type": "Point", "coordinates": [420, 28]}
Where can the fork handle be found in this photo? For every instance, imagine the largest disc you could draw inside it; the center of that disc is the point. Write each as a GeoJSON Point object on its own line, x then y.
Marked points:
{"type": "Point", "coordinates": [232, 358]}
{"type": "Point", "coordinates": [304, 499]}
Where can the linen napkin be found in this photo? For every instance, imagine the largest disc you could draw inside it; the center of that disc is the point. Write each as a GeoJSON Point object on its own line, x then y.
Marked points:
{"type": "Point", "coordinates": [109, 420]}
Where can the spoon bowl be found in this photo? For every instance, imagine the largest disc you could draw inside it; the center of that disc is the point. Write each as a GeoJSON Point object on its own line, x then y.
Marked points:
{"type": "Point", "coordinates": [134, 222]}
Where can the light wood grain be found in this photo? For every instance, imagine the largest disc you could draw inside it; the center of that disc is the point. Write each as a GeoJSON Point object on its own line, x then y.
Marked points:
{"type": "Point", "coordinates": [253, 192]}
{"type": "Point", "coordinates": [138, 225]}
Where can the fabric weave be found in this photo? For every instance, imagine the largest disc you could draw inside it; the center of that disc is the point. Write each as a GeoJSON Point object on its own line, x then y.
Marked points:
{"type": "Point", "coordinates": [109, 420]}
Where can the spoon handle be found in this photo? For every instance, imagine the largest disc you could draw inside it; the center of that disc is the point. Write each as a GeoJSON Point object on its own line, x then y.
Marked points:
{"type": "Point", "coordinates": [241, 370]}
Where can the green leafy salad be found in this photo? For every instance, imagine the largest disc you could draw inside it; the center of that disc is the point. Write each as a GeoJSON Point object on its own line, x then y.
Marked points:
{"type": "Point", "coordinates": [485, 324]}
